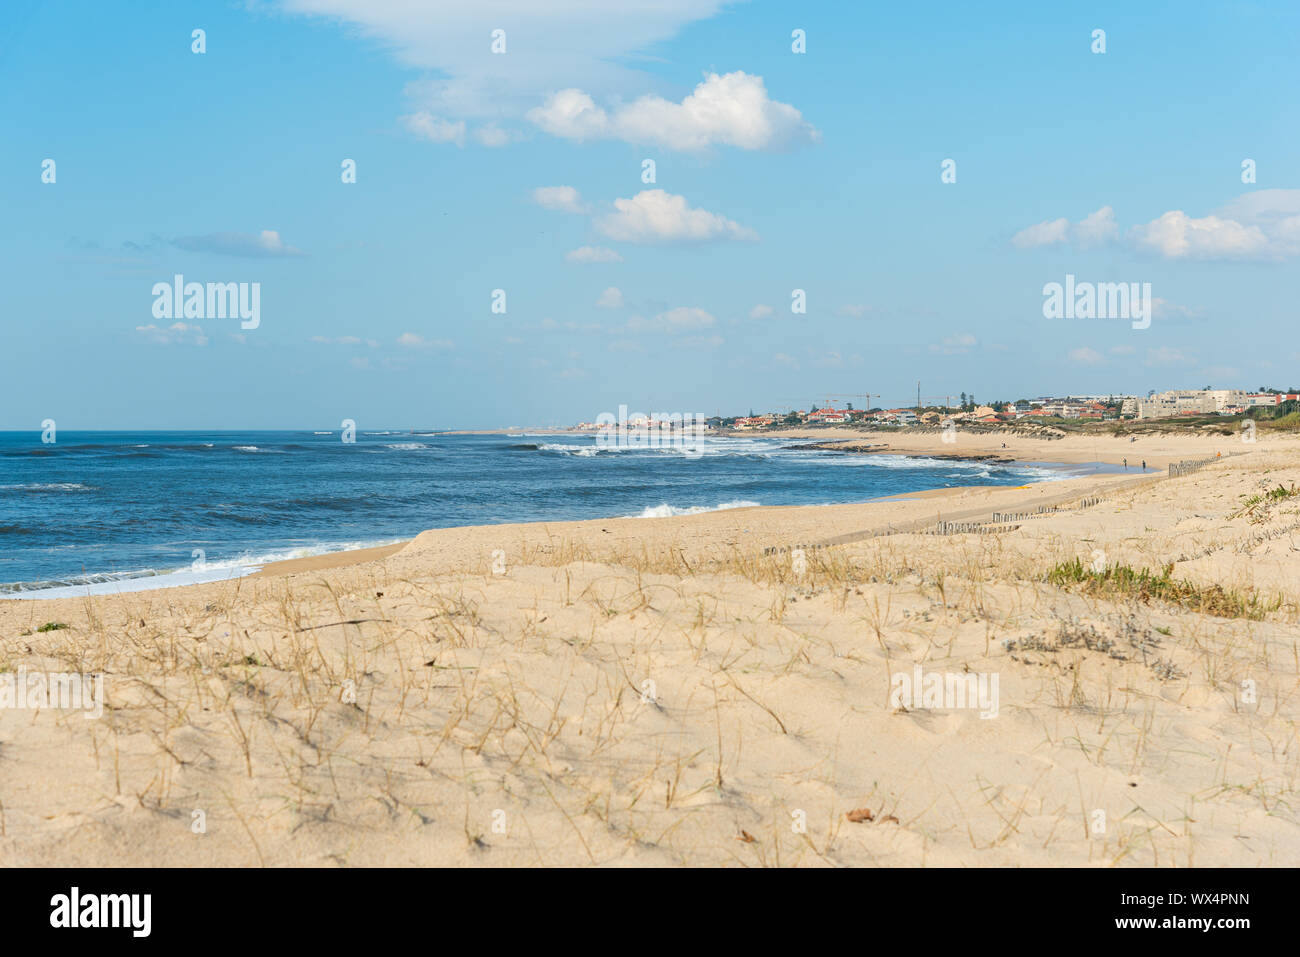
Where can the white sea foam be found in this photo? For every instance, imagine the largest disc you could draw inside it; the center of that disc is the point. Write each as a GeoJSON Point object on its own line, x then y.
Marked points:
{"type": "Point", "coordinates": [212, 571]}
{"type": "Point", "coordinates": [580, 450]}
{"type": "Point", "coordinates": [141, 581]}
{"type": "Point", "coordinates": [668, 511]}
{"type": "Point", "coordinates": [48, 487]}
{"type": "Point", "coordinates": [690, 447]}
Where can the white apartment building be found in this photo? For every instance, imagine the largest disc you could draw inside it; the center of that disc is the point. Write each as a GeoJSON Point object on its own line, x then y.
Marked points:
{"type": "Point", "coordinates": [1205, 401]}
{"type": "Point", "coordinates": [1176, 402]}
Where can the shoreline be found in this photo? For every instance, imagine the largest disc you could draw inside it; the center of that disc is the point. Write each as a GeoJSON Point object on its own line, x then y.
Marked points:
{"type": "Point", "coordinates": [135, 584]}
{"type": "Point", "coordinates": [1060, 455]}
{"type": "Point", "coordinates": [875, 509]}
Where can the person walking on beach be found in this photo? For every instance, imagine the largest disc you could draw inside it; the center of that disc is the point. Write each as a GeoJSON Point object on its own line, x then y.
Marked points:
{"type": "Point", "coordinates": [1126, 464]}
{"type": "Point", "coordinates": [1144, 465]}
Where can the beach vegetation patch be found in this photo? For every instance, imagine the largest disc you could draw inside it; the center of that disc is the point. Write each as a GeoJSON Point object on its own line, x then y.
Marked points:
{"type": "Point", "coordinates": [1144, 585]}
{"type": "Point", "coordinates": [1255, 503]}
{"type": "Point", "coordinates": [52, 626]}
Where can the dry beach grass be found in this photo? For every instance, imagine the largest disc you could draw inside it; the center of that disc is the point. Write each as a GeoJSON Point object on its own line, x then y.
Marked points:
{"type": "Point", "coordinates": [691, 690]}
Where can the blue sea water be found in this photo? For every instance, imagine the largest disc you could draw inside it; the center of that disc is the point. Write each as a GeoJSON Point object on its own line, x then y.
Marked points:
{"type": "Point", "coordinates": [107, 511]}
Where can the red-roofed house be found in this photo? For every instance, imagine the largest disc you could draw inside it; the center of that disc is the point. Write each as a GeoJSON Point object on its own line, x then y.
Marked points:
{"type": "Point", "coordinates": [830, 416]}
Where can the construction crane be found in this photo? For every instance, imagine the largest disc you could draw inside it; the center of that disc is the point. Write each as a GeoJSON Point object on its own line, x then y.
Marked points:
{"type": "Point", "coordinates": [843, 395]}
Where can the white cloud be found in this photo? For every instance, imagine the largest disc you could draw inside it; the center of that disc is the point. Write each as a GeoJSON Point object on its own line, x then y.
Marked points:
{"type": "Point", "coordinates": [653, 215]}
{"type": "Point", "coordinates": [1047, 233]}
{"type": "Point", "coordinates": [954, 345]}
{"type": "Point", "coordinates": [1220, 372]}
{"type": "Point", "coordinates": [729, 110]}
{"type": "Point", "coordinates": [1095, 229]}
{"type": "Point", "coordinates": [786, 360]}
{"type": "Point", "coordinates": [852, 311]}
{"type": "Point", "coordinates": [412, 340]}
{"type": "Point", "coordinates": [1175, 235]}
{"type": "Point", "coordinates": [679, 319]}
{"type": "Point", "coordinates": [686, 317]}
{"type": "Point", "coordinates": [1121, 350]}
{"type": "Point", "coordinates": [1164, 309]}
{"type": "Point", "coordinates": [266, 243]}
{"type": "Point", "coordinates": [760, 312]}
{"type": "Point", "coordinates": [700, 342]}
{"type": "Point", "coordinates": [574, 43]}
{"type": "Point", "coordinates": [493, 136]}
{"type": "Point", "coordinates": [1085, 356]}
{"type": "Point", "coordinates": [592, 254]}
{"type": "Point", "coordinates": [1260, 226]}
{"type": "Point", "coordinates": [571, 114]}
{"type": "Point", "coordinates": [178, 333]}
{"type": "Point", "coordinates": [345, 341]}
{"type": "Point", "coordinates": [611, 298]}
{"type": "Point", "coordinates": [1275, 211]}
{"type": "Point", "coordinates": [1167, 356]}
{"type": "Point", "coordinates": [565, 199]}
{"type": "Point", "coordinates": [834, 360]}
{"type": "Point", "coordinates": [434, 129]}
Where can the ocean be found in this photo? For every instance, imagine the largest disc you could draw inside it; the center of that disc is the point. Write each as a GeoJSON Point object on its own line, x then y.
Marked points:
{"type": "Point", "coordinates": [112, 511]}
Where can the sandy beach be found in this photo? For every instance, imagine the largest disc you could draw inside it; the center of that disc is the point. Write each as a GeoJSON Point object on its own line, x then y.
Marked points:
{"type": "Point", "coordinates": [1157, 448]}
{"type": "Point", "coordinates": [712, 689]}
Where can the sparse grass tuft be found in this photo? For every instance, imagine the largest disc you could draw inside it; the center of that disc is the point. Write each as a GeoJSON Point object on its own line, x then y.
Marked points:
{"type": "Point", "coordinates": [1123, 581]}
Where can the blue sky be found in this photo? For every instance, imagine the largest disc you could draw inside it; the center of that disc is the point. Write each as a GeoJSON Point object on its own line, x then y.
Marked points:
{"type": "Point", "coordinates": [775, 171]}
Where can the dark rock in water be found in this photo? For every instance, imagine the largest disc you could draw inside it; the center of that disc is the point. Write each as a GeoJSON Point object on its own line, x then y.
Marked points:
{"type": "Point", "coordinates": [838, 445]}
{"type": "Point", "coordinates": [990, 458]}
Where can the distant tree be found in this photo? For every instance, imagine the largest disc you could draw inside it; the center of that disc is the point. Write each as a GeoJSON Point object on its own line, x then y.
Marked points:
{"type": "Point", "coordinates": [963, 401]}
{"type": "Point", "coordinates": [850, 406]}
{"type": "Point", "coordinates": [814, 407]}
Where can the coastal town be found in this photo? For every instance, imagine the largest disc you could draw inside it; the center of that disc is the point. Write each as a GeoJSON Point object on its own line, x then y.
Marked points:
{"type": "Point", "coordinates": [1170, 404]}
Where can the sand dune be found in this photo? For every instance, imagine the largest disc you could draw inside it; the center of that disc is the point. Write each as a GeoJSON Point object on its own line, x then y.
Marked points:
{"type": "Point", "coordinates": [711, 689]}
